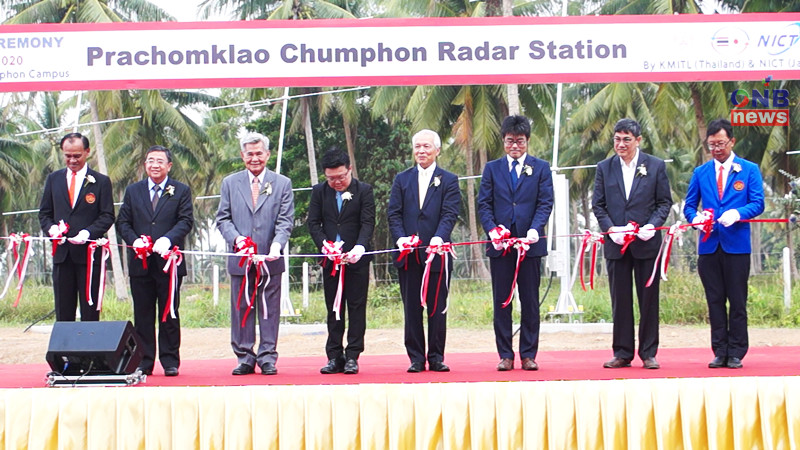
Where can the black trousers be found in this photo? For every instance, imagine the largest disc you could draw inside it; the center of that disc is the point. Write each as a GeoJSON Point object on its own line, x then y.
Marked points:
{"type": "Point", "coordinates": [150, 294]}
{"type": "Point", "coordinates": [69, 291]}
{"type": "Point", "coordinates": [354, 310]}
{"type": "Point", "coordinates": [410, 278]}
{"type": "Point", "coordinates": [724, 277]}
{"type": "Point", "coordinates": [502, 270]}
{"type": "Point", "coordinates": [623, 274]}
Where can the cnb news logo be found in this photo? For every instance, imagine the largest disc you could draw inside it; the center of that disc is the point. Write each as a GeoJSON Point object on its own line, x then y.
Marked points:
{"type": "Point", "coordinates": [764, 107]}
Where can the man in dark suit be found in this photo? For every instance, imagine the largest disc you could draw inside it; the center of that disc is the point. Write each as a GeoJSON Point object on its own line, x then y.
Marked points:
{"type": "Point", "coordinates": [155, 216]}
{"type": "Point", "coordinates": [516, 197]}
{"type": "Point", "coordinates": [632, 186]}
{"type": "Point", "coordinates": [82, 199]}
{"type": "Point", "coordinates": [730, 189]}
{"type": "Point", "coordinates": [342, 209]}
{"type": "Point", "coordinates": [256, 213]}
{"type": "Point", "coordinates": [425, 202]}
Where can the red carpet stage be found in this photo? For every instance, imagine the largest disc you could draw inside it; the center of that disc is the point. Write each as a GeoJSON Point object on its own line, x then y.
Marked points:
{"type": "Point", "coordinates": [571, 402]}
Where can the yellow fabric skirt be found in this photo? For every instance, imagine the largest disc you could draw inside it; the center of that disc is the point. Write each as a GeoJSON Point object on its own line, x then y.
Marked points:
{"type": "Point", "coordinates": [692, 413]}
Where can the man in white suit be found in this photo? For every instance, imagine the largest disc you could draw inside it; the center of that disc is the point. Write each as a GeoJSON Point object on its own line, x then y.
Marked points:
{"type": "Point", "coordinates": [256, 212]}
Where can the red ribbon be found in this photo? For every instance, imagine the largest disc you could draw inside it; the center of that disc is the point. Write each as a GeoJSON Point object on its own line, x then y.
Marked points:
{"type": "Point", "coordinates": [408, 247]}
{"type": "Point", "coordinates": [333, 251]}
{"type": "Point", "coordinates": [15, 241]}
{"type": "Point", "coordinates": [594, 239]}
{"type": "Point", "coordinates": [59, 239]}
{"type": "Point", "coordinates": [174, 259]}
{"type": "Point", "coordinates": [105, 252]}
{"type": "Point", "coordinates": [629, 237]}
{"type": "Point", "coordinates": [143, 252]}
{"type": "Point", "coordinates": [499, 236]}
{"type": "Point", "coordinates": [445, 249]}
{"type": "Point", "coordinates": [662, 259]}
{"type": "Point", "coordinates": [249, 258]}
{"type": "Point", "coordinates": [522, 247]}
{"type": "Point", "coordinates": [708, 224]}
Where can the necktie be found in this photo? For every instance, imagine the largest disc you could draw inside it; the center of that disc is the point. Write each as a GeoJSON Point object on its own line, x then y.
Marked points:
{"type": "Point", "coordinates": [514, 176]}
{"type": "Point", "coordinates": [72, 189]}
{"type": "Point", "coordinates": [339, 208]}
{"type": "Point", "coordinates": [254, 190]}
{"type": "Point", "coordinates": [156, 188]}
{"type": "Point", "coordinates": [719, 182]}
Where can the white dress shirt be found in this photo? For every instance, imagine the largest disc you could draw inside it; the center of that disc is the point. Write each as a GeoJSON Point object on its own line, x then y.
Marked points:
{"type": "Point", "coordinates": [629, 172]}
{"type": "Point", "coordinates": [424, 179]}
{"type": "Point", "coordinates": [80, 176]}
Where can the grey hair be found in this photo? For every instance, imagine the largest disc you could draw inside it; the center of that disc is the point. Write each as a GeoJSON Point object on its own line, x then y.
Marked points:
{"type": "Point", "coordinates": [252, 138]}
{"type": "Point", "coordinates": [437, 141]}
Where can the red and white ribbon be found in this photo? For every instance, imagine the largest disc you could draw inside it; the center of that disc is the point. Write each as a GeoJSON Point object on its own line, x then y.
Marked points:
{"type": "Point", "coordinates": [521, 245]}
{"type": "Point", "coordinates": [708, 224]}
{"type": "Point", "coordinates": [59, 239]}
{"type": "Point", "coordinates": [499, 236]}
{"type": "Point", "coordinates": [333, 251]}
{"type": "Point", "coordinates": [662, 259]}
{"type": "Point", "coordinates": [629, 237]}
{"type": "Point", "coordinates": [174, 259]}
{"type": "Point", "coordinates": [143, 252]}
{"type": "Point", "coordinates": [105, 253]}
{"type": "Point", "coordinates": [14, 242]}
{"type": "Point", "coordinates": [248, 251]}
{"type": "Point", "coordinates": [593, 239]}
{"type": "Point", "coordinates": [408, 246]}
{"type": "Point", "coordinates": [445, 250]}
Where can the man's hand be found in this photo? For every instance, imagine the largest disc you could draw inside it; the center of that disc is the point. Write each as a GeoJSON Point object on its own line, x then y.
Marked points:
{"type": "Point", "coordinates": [532, 236]}
{"type": "Point", "coordinates": [274, 251]}
{"type": "Point", "coordinates": [238, 243]}
{"type": "Point", "coordinates": [617, 234]}
{"type": "Point", "coordinates": [80, 238]}
{"type": "Point", "coordinates": [699, 220]}
{"type": "Point", "coordinates": [54, 231]}
{"type": "Point", "coordinates": [646, 232]}
{"type": "Point", "coordinates": [355, 254]}
{"type": "Point", "coordinates": [162, 245]}
{"type": "Point", "coordinates": [497, 234]}
{"type": "Point", "coordinates": [403, 243]}
{"type": "Point", "coordinates": [729, 218]}
{"type": "Point", "coordinates": [436, 241]}
{"type": "Point", "coordinates": [139, 243]}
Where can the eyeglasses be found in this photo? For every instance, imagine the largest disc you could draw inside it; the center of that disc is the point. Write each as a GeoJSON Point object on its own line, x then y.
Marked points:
{"type": "Point", "coordinates": [336, 178]}
{"type": "Point", "coordinates": [625, 140]}
{"type": "Point", "coordinates": [713, 145]}
{"type": "Point", "coordinates": [510, 142]}
{"type": "Point", "coordinates": [156, 162]}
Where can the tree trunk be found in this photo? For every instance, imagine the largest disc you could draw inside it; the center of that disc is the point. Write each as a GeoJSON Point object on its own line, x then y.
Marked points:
{"type": "Point", "coordinates": [702, 127]}
{"type": "Point", "coordinates": [755, 256]}
{"type": "Point", "coordinates": [312, 158]}
{"type": "Point", "coordinates": [351, 144]}
{"type": "Point", "coordinates": [116, 263]}
{"type": "Point", "coordinates": [479, 269]}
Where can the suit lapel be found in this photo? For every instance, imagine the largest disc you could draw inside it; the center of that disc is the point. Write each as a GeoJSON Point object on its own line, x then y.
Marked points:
{"type": "Point", "coordinates": [636, 177]}
{"type": "Point", "coordinates": [352, 189]}
{"type": "Point", "coordinates": [505, 173]}
{"type": "Point", "coordinates": [616, 174]}
{"type": "Point", "coordinates": [243, 185]}
{"type": "Point", "coordinates": [267, 177]}
{"type": "Point", "coordinates": [163, 199]}
{"type": "Point", "coordinates": [83, 187]}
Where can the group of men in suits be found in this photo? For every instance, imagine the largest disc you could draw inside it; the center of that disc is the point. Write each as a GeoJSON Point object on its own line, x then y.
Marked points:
{"type": "Point", "coordinates": [632, 199]}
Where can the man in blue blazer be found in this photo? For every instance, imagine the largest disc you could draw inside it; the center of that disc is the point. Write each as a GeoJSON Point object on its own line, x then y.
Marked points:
{"type": "Point", "coordinates": [730, 189]}
{"type": "Point", "coordinates": [516, 194]}
{"type": "Point", "coordinates": [425, 202]}
{"type": "Point", "coordinates": [632, 186]}
{"type": "Point", "coordinates": [82, 199]}
{"type": "Point", "coordinates": [159, 208]}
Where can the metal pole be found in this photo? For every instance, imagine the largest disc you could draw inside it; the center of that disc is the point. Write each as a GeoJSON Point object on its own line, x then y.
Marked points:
{"type": "Point", "coordinates": [285, 99]}
{"type": "Point", "coordinates": [215, 284]}
{"type": "Point", "coordinates": [305, 285]}
{"type": "Point", "coordinates": [787, 279]}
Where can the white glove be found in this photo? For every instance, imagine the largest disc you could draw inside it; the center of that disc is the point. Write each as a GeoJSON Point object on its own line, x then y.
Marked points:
{"type": "Point", "coordinates": [355, 254]}
{"type": "Point", "coordinates": [494, 236]}
{"type": "Point", "coordinates": [238, 242]}
{"type": "Point", "coordinates": [532, 236]}
{"type": "Point", "coordinates": [646, 232]}
{"type": "Point", "coordinates": [729, 218]}
{"type": "Point", "coordinates": [162, 245]}
{"type": "Point", "coordinates": [436, 240]}
{"type": "Point", "coordinates": [617, 234]}
{"type": "Point", "coordinates": [139, 243]}
{"type": "Point", "coordinates": [274, 252]}
{"type": "Point", "coordinates": [700, 218]}
{"type": "Point", "coordinates": [403, 242]}
{"type": "Point", "coordinates": [80, 238]}
{"type": "Point", "coordinates": [53, 231]}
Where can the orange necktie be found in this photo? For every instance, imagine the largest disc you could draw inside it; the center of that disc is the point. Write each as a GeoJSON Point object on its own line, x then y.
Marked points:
{"type": "Point", "coordinates": [719, 182]}
{"type": "Point", "coordinates": [72, 189]}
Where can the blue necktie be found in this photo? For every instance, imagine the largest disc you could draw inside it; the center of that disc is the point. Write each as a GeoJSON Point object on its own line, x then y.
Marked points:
{"type": "Point", "coordinates": [514, 177]}
{"type": "Point", "coordinates": [339, 208]}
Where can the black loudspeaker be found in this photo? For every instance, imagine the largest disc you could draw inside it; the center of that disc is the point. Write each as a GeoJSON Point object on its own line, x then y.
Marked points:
{"type": "Point", "coordinates": [94, 348]}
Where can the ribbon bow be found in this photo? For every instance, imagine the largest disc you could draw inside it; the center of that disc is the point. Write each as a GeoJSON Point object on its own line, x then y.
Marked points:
{"type": "Point", "coordinates": [143, 252]}
{"type": "Point", "coordinates": [592, 239]}
{"type": "Point", "coordinates": [105, 253]}
{"type": "Point", "coordinates": [445, 250]}
{"type": "Point", "coordinates": [408, 246]}
{"type": "Point", "coordinates": [14, 242]}
{"type": "Point", "coordinates": [708, 224]}
{"type": "Point", "coordinates": [662, 259]}
{"type": "Point", "coordinates": [174, 259]}
{"type": "Point", "coordinates": [499, 235]}
{"type": "Point", "coordinates": [522, 246]}
{"type": "Point", "coordinates": [248, 251]}
{"type": "Point", "coordinates": [629, 237]}
{"type": "Point", "coordinates": [59, 239]}
{"type": "Point", "coordinates": [333, 250]}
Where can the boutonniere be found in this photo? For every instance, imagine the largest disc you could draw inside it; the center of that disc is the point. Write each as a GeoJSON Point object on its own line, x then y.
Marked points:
{"type": "Point", "coordinates": [736, 167]}
{"type": "Point", "coordinates": [641, 171]}
{"type": "Point", "coordinates": [437, 180]}
{"type": "Point", "coordinates": [347, 196]}
{"type": "Point", "coordinates": [527, 170]}
{"type": "Point", "coordinates": [267, 189]}
{"type": "Point", "coordinates": [89, 180]}
{"type": "Point", "coordinates": [169, 190]}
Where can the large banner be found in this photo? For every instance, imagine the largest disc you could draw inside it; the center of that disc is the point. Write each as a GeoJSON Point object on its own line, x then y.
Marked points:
{"type": "Point", "coordinates": [399, 52]}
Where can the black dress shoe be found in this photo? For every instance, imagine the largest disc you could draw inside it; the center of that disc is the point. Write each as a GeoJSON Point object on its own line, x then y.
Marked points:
{"type": "Point", "coordinates": [351, 367]}
{"type": "Point", "coordinates": [651, 363]}
{"type": "Point", "coordinates": [244, 369]}
{"type": "Point", "coordinates": [505, 365]}
{"type": "Point", "coordinates": [145, 371]}
{"type": "Point", "coordinates": [616, 363]}
{"type": "Point", "coordinates": [333, 366]}
{"type": "Point", "coordinates": [438, 366]}
{"type": "Point", "coordinates": [417, 367]}
{"type": "Point", "coordinates": [718, 362]}
{"type": "Point", "coordinates": [170, 371]}
{"type": "Point", "coordinates": [268, 369]}
{"type": "Point", "coordinates": [734, 362]}
{"type": "Point", "coordinates": [529, 364]}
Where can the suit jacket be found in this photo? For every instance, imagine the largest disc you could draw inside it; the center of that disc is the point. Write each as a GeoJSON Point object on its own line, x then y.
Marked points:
{"type": "Point", "coordinates": [173, 219]}
{"type": "Point", "coordinates": [93, 211]}
{"type": "Point", "coordinates": [354, 224]}
{"type": "Point", "coordinates": [438, 214]}
{"type": "Point", "coordinates": [744, 191]}
{"type": "Point", "coordinates": [649, 202]}
{"type": "Point", "coordinates": [270, 221]}
{"type": "Point", "coordinates": [531, 202]}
